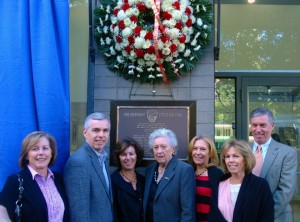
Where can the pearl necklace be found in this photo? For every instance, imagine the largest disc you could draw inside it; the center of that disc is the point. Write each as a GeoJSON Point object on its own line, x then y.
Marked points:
{"type": "Point", "coordinates": [200, 173]}
{"type": "Point", "coordinates": [156, 176]}
{"type": "Point", "coordinates": [126, 178]}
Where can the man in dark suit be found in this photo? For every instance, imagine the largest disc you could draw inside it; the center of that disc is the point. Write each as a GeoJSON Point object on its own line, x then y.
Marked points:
{"type": "Point", "coordinates": [279, 166]}
{"type": "Point", "coordinates": [86, 176]}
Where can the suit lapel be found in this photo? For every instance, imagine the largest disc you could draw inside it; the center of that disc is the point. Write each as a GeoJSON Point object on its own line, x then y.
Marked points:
{"type": "Point", "coordinates": [98, 168]}
{"type": "Point", "coordinates": [271, 154]}
{"type": "Point", "coordinates": [168, 175]}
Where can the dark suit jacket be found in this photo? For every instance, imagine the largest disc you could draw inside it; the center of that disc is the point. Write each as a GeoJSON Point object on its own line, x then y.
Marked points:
{"type": "Point", "coordinates": [89, 198]}
{"type": "Point", "coordinates": [280, 170]}
{"type": "Point", "coordinates": [128, 203]}
{"type": "Point", "coordinates": [34, 207]}
{"type": "Point", "coordinates": [254, 202]}
{"type": "Point", "coordinates": [175, 196]}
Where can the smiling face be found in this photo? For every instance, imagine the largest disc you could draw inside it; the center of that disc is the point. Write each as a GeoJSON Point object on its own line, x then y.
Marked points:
{"type": "Point", "coordinates": [234, 161]}
{"type": "Point", "coordinates": [200, 153]}
{"type": "Point", "coordinates": [97, 134]}
{"type": "Point", "coordinates": [162, 151]}
{"type": "Point", "coordinates": [261, 128]}
{"type": "Point", "coordinates": [39, 155]}
{"type": "Point", "coordinates": [128, 159]}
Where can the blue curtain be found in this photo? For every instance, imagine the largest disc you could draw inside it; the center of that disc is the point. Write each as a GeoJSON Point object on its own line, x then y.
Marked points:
{"type": "Point", "coordinates": [34, 77]}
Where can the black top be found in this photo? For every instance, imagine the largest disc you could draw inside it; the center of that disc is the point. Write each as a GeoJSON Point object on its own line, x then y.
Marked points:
{"type": "Point", "coordinates": [128, 203]}
{"type": "Point", "coordinates": [34, 207]}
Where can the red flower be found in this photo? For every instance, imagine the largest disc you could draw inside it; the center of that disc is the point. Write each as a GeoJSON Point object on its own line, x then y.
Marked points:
{"type": "Point", "coordinates": [150, 50]}
{"type": "Point", "coordinates": [176, 5]}
{"type": "Point", "coordinates": [149, 36]}
{"type": "Point", "coordinates": [162, 28]}
{"type": "Point", "coordinates": [189, 22]}
{"type": "Point", "coordinates": [119, 39]}
{"type": "Point", "coordinates": [166, 16]}
{"type": "Point", "coordinates": [139, 52]}
{"type": "Point", "coordinates": [173, 48]}
{"type": "Point", "coordinates": [141, 7]}
{"type": "Point", "coordinates": [131, 39]}
{"type": "Point", "coordinates": [134, 18]}
{"type": "Point", "coordinates": [182, 38]}
{"type": "Point", "coordinates": [188, 11]}
{"type": "Point", "coordinates": [137, 30]}
{"type": "Point", "coordinates": [178, 25]}
{"type": "Point", "coordinates": [165, 38]}
{"type": "Point", "coordinates": [125, 1]}
{"type": "Point", "coordinates": [125, 7]}
{"type": "Point", "coordinates": [121, 25]}
{"type": "Point", "coordinates": [116, 11]}
{"type": "Point", "coordinates": [128, 48]}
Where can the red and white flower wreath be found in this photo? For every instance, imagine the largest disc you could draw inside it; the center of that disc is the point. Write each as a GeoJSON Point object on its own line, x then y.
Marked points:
{"type": "Point", "coordinates": [153, 40]}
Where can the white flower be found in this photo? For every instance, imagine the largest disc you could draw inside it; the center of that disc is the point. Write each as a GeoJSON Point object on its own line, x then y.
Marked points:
{"type": "Point", "coordinates": [180, 47]}
{"type": "Point", "coordinates": [121, 15]}
{"type": "Point", "coordinates": [141, 62]}
{"type": "Point", "coordinates": [199, 22]}
{"type": "Point", "coordinates": [166, 51]}
{"type": "Point", "coordinates": [139, 69]}
{"type": "Point", "coordinates": [114, 19]}
{"type": "Point", "coordinates": [119, 59]}
{"type": "Point", "coordinates": [194, 42]}
{"type": "Point", "coordinates": [177, 60]}
{"type": "Point", "coordinates": [187, 53]}
{"type": "Point", "coordinates": [126, 32]}
{"type": "Point", "coordinates": [204, 8]}
{"type": "Point", "coordinates": [100, 21]}
{"type": "Point", "coordinates": [197, 48]}
{"type": "Point", "coordinates": [205, 26]}
{"type": "Point", "coordinates": [151, 76]}
{"type": "Point", "coordinates": [181, 66]}
{"type": "Point", "coordinates": [192, 58]}
{"type": "Point", "coordinates": [98, 29]}
{"type": "Point", "coordinates": [105, 29]}
{"type": "Point", "coordinates": [108, 9]}
{"type": "Point", "coordinates": [108, 40]}
{"type": "Point", "coordinates": [150, 69]}
{"type": "Point", "coordinates": [102, 42]}
{"type": "Point", "coordinates": [147, 44]}
{"type": "Point", "coordinates": [107, 55]}
{"type": "Point", "coordinates": [177, 15]}
{"type": "Point", "coordinates": [112, 51]}
{"type": "Point", "coordinates": [106, 17]}
{"type": "Point", "coordinates": [174, 33]}
{"type": "Point", "coordinates": [131, 72]}
{"type": "Point", "coordinates": [150, 63]}
{"type": "Point", "coordinates": [139, 42]}
{"type": "Point", "coordinates": [159, 75]}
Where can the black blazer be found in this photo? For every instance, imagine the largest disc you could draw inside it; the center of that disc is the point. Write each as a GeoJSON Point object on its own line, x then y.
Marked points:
{"type": "Point", "coordinates": [34, 207]}
{"type": "Point", "coordinates": [214, 175]}
{"type": "Point", "coordinates": [254, 202]}
{"type": "Point", "coordinates": [128, 204]}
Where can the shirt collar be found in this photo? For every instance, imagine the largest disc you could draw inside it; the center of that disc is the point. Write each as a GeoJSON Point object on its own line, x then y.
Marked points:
{"type": "Point", "coordinates": [264, 146]}
{"type": "Point", "coordinates": [34, 173]}
{"type": "Point", "coordinates": [101, 156]}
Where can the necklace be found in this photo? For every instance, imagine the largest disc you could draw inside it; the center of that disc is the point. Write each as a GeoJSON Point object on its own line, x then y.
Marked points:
{"type": "Point", "coordinates": [200, 173]}
{"type": "Point", "coordinates": [126, 178]}
{"type": "Point", "coordinates": [156, 175]}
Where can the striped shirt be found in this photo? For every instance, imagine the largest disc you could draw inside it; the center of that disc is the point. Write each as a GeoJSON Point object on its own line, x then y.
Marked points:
{"type": "Point", "coordinates": [203, 195]}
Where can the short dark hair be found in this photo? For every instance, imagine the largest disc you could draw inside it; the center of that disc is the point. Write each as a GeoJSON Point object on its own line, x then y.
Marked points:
{"type": "Point", "coordinates": [122, 145]}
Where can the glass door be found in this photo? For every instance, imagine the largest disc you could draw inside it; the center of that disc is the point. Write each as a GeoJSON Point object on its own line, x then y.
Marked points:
{"type": "Point", "coordinates": [282, 96]}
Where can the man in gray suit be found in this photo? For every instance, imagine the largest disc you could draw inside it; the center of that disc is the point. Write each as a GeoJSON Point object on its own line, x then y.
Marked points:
{"type": "Point", "coordinates": [86, 176]}
{"type": "Point", "coordinates": [279, 163]}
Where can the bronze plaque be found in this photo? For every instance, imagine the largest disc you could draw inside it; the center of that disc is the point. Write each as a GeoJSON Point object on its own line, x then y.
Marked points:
{"type": "Point", "coordinates": [139, 119]}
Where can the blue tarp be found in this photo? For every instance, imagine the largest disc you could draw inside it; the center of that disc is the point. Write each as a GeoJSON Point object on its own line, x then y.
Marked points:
{"type": "Point", "coordinates": [34, 77]}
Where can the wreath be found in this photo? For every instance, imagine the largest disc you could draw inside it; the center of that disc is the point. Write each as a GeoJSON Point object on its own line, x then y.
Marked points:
{"type": "Point", "coordinates": [152, 41]}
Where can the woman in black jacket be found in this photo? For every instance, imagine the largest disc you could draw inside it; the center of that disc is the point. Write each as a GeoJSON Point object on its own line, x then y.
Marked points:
{"type": "Point", "coordinates": [43, 197]}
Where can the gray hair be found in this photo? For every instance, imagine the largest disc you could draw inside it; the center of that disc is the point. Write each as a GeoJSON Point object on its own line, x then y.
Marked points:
{"type": "Point", "coordinates": [261, 112]}
{"type": "Point", "coordinates": [95, 116]}
{"type": "Point", "coordinates": [163, 132]}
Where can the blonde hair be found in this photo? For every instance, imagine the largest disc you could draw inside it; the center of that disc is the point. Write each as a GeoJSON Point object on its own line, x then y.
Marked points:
{"type": "Point", "coordinates": [213, 154]}
{"type": "Point", "coordinates": [244, 148]}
